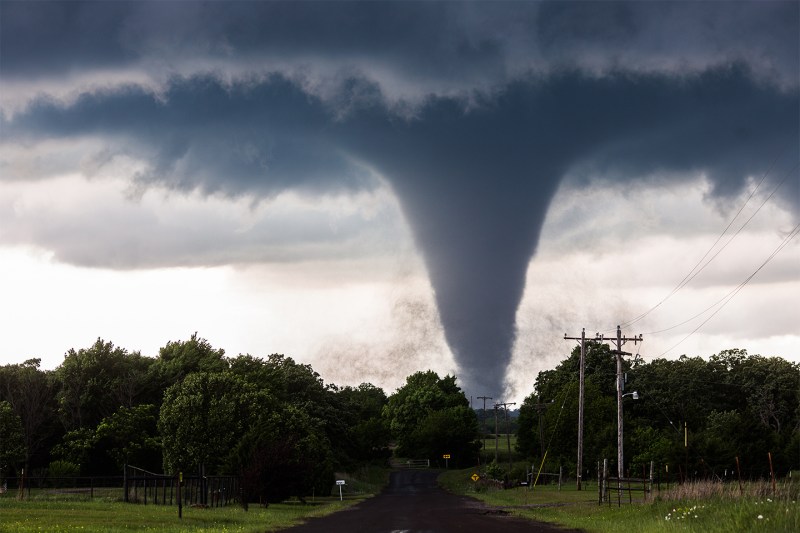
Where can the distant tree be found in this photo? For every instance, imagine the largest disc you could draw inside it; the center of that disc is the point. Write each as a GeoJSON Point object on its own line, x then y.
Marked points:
{"type": "Point", "coordinates": [12, 443]}
{"type": "Point", "coordinates": [368, 434]}
{"type": "Point", "coordinates": [425, 398]}
{"type": "Point", "coordinates": [452, 431]}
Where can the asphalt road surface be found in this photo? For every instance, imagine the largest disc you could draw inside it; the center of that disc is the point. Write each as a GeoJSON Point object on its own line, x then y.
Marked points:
{"type": "Point", "coordinates": [413, 503]}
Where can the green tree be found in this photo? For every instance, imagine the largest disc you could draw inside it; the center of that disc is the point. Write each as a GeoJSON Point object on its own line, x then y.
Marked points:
{"type": "Point", "coordinates": [12, 443]}
{"type": "Point", "coordinates": [410, 415]}
{"type": "Point", "coordinates": [368, 434]}
{"type": "Point", "coordinates": [285, 454]}
{"type": "Point", "coordinates": [298, 384]}
{"type": "Point", "coordinates": [452, 431]}
{"type": "Point", "coordinates": [203, 417]}
{"type": "Point", "coordinates": [179, 359]}
{"type": "Point", "coordinates": [30, 392]}
{"type": "Point", "coordinates": [129, 436]}
{"type": "Point", "coordinates": [93, 383]}
{"type": "Point", "coordinates": [556, 394]}
{"type": "Point", "coordinates": [77, 447]}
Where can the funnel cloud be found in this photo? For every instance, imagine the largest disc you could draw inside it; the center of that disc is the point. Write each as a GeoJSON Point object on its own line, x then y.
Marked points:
{"type": "Point", "coordinates": [473, 114]}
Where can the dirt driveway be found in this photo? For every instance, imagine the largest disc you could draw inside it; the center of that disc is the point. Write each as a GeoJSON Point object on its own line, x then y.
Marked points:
{"type": "Point", "coordinates": [413, 503]}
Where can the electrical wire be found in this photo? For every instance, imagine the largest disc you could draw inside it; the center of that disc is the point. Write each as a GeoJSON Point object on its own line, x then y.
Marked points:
{"type": "Point", "coordinates": [792, 234]}
{"type": "Point", "coordinates": [697, 268]}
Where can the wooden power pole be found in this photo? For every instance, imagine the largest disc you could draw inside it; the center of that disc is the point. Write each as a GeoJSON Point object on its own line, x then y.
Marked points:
{"type": "Point", "coordinates": [582, 338]}
{"type": "Point", "coordinates": [620, 340]}
{"type": "Point", "coordinates": [508, 436]}
{"type": "Point", "coordinates": [483, 420]}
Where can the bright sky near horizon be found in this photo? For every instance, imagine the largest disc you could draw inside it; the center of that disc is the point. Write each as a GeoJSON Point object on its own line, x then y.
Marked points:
{"type": "Point", "coordinates": [377, 189]}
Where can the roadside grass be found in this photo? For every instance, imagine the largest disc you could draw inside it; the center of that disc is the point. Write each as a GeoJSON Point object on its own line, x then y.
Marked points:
{"type": "Point", "coordinates": [118, 517]}
{"type": "Point", "coordinates": [52, 511]}
{"type": "Point", "coordinates": [692, 507]}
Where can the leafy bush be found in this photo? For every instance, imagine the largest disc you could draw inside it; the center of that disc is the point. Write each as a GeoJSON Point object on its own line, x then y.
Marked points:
{"type": "Point", "coordinates": [494, 471]}
{"type": "Point", "coordinates": [59, 471]}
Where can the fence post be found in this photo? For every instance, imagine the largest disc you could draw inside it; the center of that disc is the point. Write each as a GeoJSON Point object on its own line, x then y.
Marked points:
{"type": "Point", "coordinates": [180, 501]}
{"type": "Point", "coordinates": [21, 488]}
{"type": "Point", "coordinates": [599, 484]}
{"type": "Point", "coordinates": [605, 482]}
{"type": "Point", "coordinates": [771, 473]}
{"type": "Point", "coordinates": [739, 474]}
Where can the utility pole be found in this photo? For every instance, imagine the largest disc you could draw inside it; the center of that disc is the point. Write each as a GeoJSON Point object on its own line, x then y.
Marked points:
{"type": "Point", "coordinates": [540, 408]}
{"type": "Point", "coordinates": [495, 432]}
{"type": "Point", "coordinates": [508, 436]}
{"type": "Point", "coordinates": [483, 420]}
{"type": "Point", "coordinates": [580, 402]}
{"type": "Point", "coordinates": [620, 388]}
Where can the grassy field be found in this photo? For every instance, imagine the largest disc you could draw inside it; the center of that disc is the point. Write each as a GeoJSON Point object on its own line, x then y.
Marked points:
{"type": "Point", "coordinates": [488, 451]}
{"type": "Point", "coordinates": [117, 517]}
{"type": "Point", "coordinates": [61, 511]}
{"type": "Point", "coordinates": [704, 508]}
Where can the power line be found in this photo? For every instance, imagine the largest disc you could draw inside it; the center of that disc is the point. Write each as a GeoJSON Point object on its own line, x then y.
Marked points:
{"type": "Point", "coordinates": [792, 234]}
{"type": "Point", "coordinates": [697, 268]}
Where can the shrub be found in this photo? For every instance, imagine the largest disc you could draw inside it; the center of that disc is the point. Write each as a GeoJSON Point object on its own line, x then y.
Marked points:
{"type": "Point", "coordinates": [59, 471]}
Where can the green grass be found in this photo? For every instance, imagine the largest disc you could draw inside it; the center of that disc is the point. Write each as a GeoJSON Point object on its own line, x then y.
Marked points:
{"type": "Point", "coordinates": [56, 511]}
{"type": "Point", "coordinates": [487, 453]}
{"type": "Point", "coordinates": [117, 517]}
{"type": "Point", "coordinates": [706, 512]}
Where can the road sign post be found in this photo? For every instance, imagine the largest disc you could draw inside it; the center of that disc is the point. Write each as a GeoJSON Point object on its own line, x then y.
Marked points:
{"type": "Point", "coordinates": [446, 458]}
{"type": "Point", "coordinates": [340, 482]}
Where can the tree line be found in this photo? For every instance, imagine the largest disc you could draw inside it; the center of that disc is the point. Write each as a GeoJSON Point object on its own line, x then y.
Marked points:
{"type": "Point", "coordinates": [271, 421]}
{"type": "Point", "coordinates": [693, 416]}
{"type": "Point", "coordinates": [276, 424]}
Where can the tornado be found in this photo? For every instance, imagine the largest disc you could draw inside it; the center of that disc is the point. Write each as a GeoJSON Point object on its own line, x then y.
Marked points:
{"type": "Point", "coordinates": [475, 178]}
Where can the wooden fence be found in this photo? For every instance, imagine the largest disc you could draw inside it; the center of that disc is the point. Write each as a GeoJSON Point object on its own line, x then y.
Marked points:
{"type": "Point", "coordinates": [607, 484]}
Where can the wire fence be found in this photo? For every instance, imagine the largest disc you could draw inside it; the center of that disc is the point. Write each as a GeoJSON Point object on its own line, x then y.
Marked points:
{"type": "Point", "coordinates": [134, 486]}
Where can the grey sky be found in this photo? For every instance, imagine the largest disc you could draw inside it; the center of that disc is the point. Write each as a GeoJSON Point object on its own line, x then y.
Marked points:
{"type": "Point", "coordinates": [474, 115]}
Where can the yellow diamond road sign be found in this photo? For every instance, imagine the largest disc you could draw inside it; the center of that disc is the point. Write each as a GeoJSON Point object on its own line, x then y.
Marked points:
{"type": "Point", "coordinates": [475, 477]}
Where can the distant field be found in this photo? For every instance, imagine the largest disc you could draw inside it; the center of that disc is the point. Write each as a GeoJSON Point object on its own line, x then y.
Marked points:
{"type": "Point", "coordinates": [571, 508]}
{"type": "Point", "coordinates": [488, 450]}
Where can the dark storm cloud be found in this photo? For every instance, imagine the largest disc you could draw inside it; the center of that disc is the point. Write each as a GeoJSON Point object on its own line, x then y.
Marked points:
{"type": "Point", "coordinates": [544, 91]}
{"type": "Point", "coordinates": [474, 177]}
{"type": "Point", "coordinates": [471, 42]}
{"type": "Point", "coordinates": [247, 138]}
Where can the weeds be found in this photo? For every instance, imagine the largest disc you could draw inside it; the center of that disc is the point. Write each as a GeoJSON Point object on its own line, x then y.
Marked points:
{"type": "Point", "coordinates": [751, 490]}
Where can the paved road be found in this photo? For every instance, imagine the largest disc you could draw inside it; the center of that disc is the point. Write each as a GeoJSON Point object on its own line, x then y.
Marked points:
{"type": "Point", "coordinates": [413, 503]}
